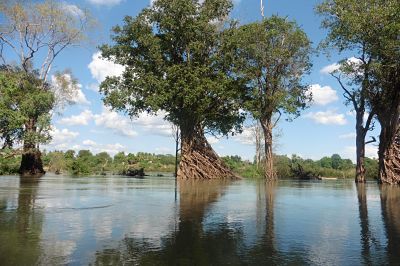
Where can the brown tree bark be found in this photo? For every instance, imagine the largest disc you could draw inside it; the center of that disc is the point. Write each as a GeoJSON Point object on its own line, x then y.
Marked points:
{"type": "Point", "coordinates": [199, 160]}
{"type": "Point", "coordinates": [389, 152]}
{"type": "Point", "coordinates": [267, 126]}
{"type": "Point", "coordinates": [31, 162]}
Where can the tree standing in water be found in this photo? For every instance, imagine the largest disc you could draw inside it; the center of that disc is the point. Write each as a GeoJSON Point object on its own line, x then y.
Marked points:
{"type": "Point", "coordinates": [353, 77]}
{"type": "Point", "coordinates": [173, 63]}
{"type": "Point", "coordinates": [34, 33]}
{"type": "Point", "coordinates": [272, 55]}
{"type": "Point", "coordinates": [372, 29]}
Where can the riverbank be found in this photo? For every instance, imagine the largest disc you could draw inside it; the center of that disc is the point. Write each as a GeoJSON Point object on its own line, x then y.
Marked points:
{"type": "Point", "coordinates": [85, 163]}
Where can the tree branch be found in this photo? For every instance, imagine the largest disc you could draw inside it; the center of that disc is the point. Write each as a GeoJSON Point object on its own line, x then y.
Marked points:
{"type": "Point", "coordinates": [371, 141]}
{"type": "Point", "coordinates": [350, 96]}
{"type": "Point", "coordinates": [277, 120]}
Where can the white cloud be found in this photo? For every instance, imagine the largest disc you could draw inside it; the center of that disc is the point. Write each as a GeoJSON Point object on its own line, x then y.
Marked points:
{"type": "Point", "coordinates": [164, 150]}
{"type": "Point", "coordinates": [322, 95]}
{"type": "Point", "coordinates": [329, 117]}
{"type": "Point", "coordinates": [330, 68]}
{"type": "Point", "coordinates": [71, 92]}
{"type": "Point", "coordinates": [73, 10]}
{"type": "Point", "coordinates": [61, 139]}
{"type": "Point", "coordinates": [105, 2]}
{"type": "Point", "coordinates": [79, 97]}
{"type": "Point", "coordinates": [112, 120]}
{"type": "Point", "coordinates": [348, 136]}
{"type": "Point", "coordinates": [212, 140]}
{"type": "Point", "coordinates": [101, 68]}
{"type": "Point", "coordinates": [78, 120]}
{"type": "Point", "coordinates": [247, 137]}
{"type": "Point", "coordinates": [353, 113]}
{"type": "Point", "coordinates": [371, 151]}
{"type": "Point", "coordinates": [335, 66]}
{"type": "Point", "coordinates": [89, 142]}
{"type": "Point", "coordinates": [95, 148]}
{"type": "Point", "coordinates": [154, 124]}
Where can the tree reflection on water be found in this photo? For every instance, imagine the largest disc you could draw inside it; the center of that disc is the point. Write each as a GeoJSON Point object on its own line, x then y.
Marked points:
{"type": "Point", "coordinates": [21, 226]}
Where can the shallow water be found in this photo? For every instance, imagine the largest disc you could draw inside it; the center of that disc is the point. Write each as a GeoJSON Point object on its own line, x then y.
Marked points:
{"type": "Point", "coordinates": [115, 220]}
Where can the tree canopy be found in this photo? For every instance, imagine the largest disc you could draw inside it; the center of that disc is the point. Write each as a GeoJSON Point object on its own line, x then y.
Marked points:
{"type": "Point", "coordinates": [24, 100]}
{"type": "Point", "coordinates": [172, 58]}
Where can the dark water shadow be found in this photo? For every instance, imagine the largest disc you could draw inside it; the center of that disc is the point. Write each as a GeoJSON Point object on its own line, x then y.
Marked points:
{"type": "Point", "coordinates": [21, 228]}
{"type": "Point", "coordinates": [390, 204]}
{"type": "Point", "coordinates": [189, 243]}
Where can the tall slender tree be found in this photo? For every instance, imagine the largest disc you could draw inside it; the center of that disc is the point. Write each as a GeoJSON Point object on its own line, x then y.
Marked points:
{"type": "Point", "coordinates": [172, 57]}
{"type": "Point", "coordinates": [353, 77]}
{"type": "Point", "coordinates": [272, 56]}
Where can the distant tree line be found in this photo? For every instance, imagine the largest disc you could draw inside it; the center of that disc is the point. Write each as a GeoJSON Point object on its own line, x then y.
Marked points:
{"type": "Point", "coordinates": [85, 163]}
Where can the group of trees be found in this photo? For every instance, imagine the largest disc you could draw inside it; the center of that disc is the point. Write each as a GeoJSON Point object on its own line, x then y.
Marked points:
{"type": "Point", "coordinates": [186, 58]}
{"type": "Point", "coordinates": [207, 73]}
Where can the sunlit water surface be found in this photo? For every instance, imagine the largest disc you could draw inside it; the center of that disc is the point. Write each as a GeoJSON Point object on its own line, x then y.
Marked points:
{"type": "Point", "coordinates": [152, 221]}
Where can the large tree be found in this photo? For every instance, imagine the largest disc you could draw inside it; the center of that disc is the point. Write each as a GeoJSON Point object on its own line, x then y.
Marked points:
{"type": "Point", "coordinates": [272, 56]}
{"type": "Point", "coordinates": [32, 35]}
{"type": "Point", "coordinates": [173, 63]}
{"type": "Point", "coordinates": [25, 105]}
{"type": "Point", "coordinates": [372, 29]}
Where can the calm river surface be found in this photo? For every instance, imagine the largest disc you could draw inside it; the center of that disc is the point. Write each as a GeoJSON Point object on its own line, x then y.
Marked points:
{"type": "Point", "coordinates": [115, 220]}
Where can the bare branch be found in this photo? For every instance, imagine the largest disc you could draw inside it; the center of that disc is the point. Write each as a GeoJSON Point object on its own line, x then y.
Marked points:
{"type": "Point", "coordinates": [371, 141]}
{"type": "Point", "coordinates": [277, 120]}
{"type": "Point", "coordinates": [368, 122]}
{"type": "Point", "coordinates": [347, 94]}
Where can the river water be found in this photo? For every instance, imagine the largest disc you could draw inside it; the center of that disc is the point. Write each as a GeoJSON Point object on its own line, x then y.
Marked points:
{"type": "Point", "coordinates": [154, 221]}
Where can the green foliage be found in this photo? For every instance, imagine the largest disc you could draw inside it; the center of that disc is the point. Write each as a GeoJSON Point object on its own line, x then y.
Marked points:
{"type": "Point", "coordinates": [9, 164]}
{"type": "Point", "coordinates": [57, 162]}
{"type": "Point", "coordinates": [272, 56]}
{"type": "Point", "coordinates": [173, 62]}
{"type": "Point", "coordinates": [25, 104]}
{"type": "Point", "coordinates": [371, 168]}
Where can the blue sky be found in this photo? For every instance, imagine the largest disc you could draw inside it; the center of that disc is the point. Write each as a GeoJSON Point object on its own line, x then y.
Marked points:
{"type": "Point", "coordinates": [325, 128]}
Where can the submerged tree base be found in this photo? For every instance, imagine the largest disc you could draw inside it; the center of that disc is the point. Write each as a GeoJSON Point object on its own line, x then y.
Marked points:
{"type": "Point", "coordinates": [390, 164]}
{"type": "Point", "coordinates": [31, 164]}
{"type": "Point", "coordinates": [200, 161]}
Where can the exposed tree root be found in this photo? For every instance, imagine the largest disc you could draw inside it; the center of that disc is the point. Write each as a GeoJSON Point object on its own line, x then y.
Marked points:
{"type": "Point", "coordinates": [199, 160]}
{"type": "Point", "coordinates": [390, 163]}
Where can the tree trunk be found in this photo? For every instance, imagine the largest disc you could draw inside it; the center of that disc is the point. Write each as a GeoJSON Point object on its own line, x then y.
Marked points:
{"type": "Point", "coordinates": [199, 160]}
{"type": "Point", "coordinates": [389, 154]}
{"type": "Point", "coordinates": [266, 124]}
{"type": "Point", "coordinates": [257, 135]}
{"type": "Point", "coordinates": [360, 148]}
{"type": "Point", "coordinates": [31, 162]}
